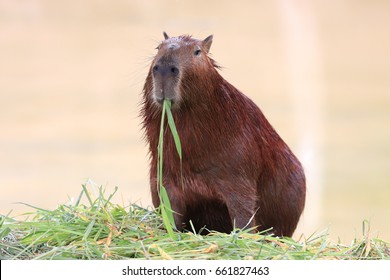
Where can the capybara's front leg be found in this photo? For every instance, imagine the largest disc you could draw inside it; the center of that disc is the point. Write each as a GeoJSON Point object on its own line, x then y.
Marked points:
{"type": "Point", "coordinates": [177, 203]}
{"type": "Point", "coordinates": [178, 207]}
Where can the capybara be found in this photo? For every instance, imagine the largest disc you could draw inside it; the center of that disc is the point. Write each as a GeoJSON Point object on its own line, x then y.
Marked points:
{"type": "Point", "coordinates": [236, 171]}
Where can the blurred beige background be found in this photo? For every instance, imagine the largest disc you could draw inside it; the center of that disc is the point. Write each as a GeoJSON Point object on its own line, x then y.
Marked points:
{"type": "Point", "coordinates": [71, 75]}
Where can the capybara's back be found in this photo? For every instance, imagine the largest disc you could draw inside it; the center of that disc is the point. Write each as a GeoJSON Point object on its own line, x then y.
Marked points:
{"type": "Point", "coordinates": [236, 171]}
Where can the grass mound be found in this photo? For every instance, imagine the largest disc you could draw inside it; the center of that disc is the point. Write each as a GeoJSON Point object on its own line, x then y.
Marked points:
{"type": "Point", "coordinates": [100, 229]}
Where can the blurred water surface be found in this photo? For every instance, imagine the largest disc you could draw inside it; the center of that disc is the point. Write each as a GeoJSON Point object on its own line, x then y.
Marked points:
{"type": "Point", "coordinates": [71, 74]}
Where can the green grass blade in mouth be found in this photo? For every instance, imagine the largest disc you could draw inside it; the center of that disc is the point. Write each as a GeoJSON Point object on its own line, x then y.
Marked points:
{"type": "Point", "coordinates": [172, 126]}
{"type": "Point", "coordinates": [165, 205]}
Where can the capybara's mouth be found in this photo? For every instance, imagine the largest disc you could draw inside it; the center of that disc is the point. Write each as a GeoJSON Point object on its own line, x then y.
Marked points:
{"type": "Point", "coordinates": [160, 100]}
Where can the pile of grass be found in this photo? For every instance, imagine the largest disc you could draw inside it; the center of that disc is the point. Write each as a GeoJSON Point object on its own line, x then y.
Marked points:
{"type": "Point", "coordinates": [100, 229]}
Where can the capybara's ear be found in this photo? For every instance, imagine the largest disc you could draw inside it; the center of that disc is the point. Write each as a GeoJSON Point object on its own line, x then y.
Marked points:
{"type": "Point", "coordinates": [207, 43]}
{"type": "Point", "coordinates": [165, 35]}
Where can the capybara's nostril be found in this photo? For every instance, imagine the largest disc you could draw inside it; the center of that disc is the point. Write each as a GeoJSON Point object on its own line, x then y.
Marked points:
{"type": "Point", "coordinates": [174, 70]}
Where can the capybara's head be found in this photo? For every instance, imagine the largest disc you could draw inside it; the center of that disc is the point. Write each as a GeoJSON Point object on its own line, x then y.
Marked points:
{"type": "Point", "coordinates": [179, 62]}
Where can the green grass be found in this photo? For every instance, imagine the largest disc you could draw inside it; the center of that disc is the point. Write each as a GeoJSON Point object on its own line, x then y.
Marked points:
{"type": "Point", "coordinates": [165, 205]}
{"type": "Point", "coordinates": [100, 229]}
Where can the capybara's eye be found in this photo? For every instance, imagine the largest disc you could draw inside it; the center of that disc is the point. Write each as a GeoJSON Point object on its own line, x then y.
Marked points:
{"type": "Point", "coordinates": [198, 52]}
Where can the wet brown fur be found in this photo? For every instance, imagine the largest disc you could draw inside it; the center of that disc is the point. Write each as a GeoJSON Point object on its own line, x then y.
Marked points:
{"type": "Point", "coordinates": [236, 170]}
